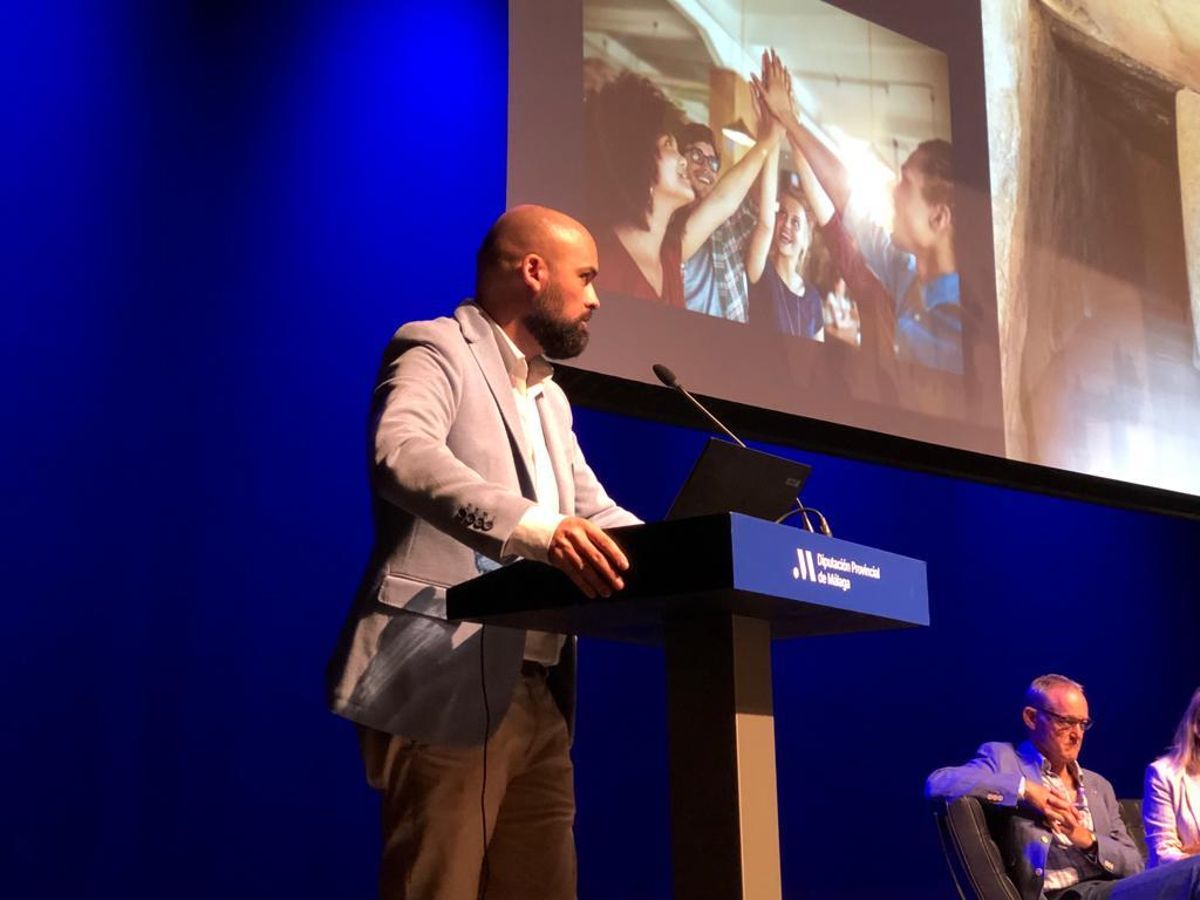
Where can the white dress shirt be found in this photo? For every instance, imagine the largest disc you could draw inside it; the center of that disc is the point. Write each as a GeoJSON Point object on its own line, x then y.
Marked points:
{"type": "Point", "coordinates": [531, 537]}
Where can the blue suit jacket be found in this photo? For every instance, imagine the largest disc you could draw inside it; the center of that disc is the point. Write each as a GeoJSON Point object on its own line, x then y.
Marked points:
{"type": "Point", "coordinates": [994, 776]}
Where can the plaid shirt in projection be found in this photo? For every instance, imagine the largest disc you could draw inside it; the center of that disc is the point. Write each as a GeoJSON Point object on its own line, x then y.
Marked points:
{"type": "Point", "coordinates": [1066, 864]}
{"type": "Point", "coordinates": [728, 245]}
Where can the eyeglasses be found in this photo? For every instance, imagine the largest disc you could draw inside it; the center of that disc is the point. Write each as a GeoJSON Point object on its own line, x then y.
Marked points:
{"type": "Point", "coordinates": [700, 158]}
{"type": "Point", "coordinates": [1065, 723]}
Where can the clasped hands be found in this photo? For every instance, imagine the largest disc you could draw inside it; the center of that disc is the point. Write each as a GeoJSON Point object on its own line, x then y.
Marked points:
{"type": "Point", "coordinates": [1059, 813]}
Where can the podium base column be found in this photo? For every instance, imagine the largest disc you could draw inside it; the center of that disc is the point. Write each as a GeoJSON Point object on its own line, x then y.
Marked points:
{"type": "Point", "coordinates": [721, 737]}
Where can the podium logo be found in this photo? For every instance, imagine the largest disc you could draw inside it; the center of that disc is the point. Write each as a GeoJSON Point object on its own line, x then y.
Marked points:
{"type": "Point", "coordinates": [805, 570]}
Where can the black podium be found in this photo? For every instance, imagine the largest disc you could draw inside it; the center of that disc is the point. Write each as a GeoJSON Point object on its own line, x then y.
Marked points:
{"type": "Point", "coordinates": [715, 590]}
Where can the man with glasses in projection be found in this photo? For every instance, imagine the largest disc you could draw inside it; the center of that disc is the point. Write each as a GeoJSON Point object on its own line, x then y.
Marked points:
{"type": "Point", "coordinates": [714, 277]}
{"type": "Point", "coordinates": [1066, 837]}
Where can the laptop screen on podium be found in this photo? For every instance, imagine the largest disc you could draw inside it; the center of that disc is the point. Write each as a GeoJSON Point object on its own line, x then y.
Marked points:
{"type": "Point", "coordinates": [729, 478]}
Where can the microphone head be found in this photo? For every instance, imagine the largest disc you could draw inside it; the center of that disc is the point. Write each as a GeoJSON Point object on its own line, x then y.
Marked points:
{"type": "Point", "coordinates": [665, 375]}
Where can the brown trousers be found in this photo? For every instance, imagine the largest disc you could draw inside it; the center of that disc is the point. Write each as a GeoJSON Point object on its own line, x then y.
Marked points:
{"type": "Point", "coordinates": [433, 823]}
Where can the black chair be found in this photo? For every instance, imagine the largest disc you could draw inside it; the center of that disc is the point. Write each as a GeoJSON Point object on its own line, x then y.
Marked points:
{"type": "Point", "coordinates": [968, 830]}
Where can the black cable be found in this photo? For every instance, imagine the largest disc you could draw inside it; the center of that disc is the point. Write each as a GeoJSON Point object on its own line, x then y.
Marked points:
{"type": "Point", "coordinates": [803, 511]}
{"type": "Point", "coordinates": [487, 727]}
{"type": "Point", "coordinates": [799, 509]}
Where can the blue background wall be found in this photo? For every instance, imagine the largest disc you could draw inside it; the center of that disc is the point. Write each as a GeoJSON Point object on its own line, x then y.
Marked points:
{"type": "Point", "coordinates": [215, 215]}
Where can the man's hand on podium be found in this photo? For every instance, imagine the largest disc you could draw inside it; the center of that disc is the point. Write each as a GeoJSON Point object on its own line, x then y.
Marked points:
{"type": "Point", "coordinates": [589, 557]}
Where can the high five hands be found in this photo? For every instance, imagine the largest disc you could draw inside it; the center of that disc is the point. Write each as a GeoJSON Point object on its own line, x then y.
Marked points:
{"type": "Point", "coordinates": [772, 90]}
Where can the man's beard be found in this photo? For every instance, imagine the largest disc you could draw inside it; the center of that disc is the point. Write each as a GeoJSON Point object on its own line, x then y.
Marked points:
{"type": "Point", "coordinates": [559, 338]}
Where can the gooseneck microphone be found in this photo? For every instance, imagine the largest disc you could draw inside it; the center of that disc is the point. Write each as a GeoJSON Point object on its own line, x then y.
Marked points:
{"type": "Point", "coordinates": [667, 377]}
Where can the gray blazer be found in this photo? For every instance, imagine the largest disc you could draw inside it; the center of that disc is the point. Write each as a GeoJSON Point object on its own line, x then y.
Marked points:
{"type": "Point", "coordinates": [994, 775]}
{"type": "Point", "coordinates": [449, 484]}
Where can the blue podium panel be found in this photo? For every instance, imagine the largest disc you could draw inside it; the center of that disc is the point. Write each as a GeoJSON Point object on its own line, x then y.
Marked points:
{"type": "Point", "coordinates": [801, 583]}
{"type": "Point", "coordinates": [807, 568]}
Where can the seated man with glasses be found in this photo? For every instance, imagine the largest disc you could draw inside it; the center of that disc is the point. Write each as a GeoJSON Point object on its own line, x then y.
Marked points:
{"type": "Point", "coordinates": [1066, 838]}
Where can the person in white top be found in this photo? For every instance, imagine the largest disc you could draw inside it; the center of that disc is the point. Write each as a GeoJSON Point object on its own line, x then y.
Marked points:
{"type": "Point", "coordinates": [1171, 802]}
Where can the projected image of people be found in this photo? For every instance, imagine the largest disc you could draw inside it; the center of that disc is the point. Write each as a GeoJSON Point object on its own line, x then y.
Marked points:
{"type": "Point", "coordinates": [673, 165]}
{"type": "Point", "coordinates": [841, 314]}
{"type": "Point", "coordinates": [637, 182]}
{"type": "Point", "coordinates": [669, 225]}
{"type": "Point", "coordinates": [910, 268]}
{"type": "Point", "coordinates": [780, 297]}
{"type": "Point", "coordinates": [777, 189]}
{"type": "Point", "coordinates": [714, 277]}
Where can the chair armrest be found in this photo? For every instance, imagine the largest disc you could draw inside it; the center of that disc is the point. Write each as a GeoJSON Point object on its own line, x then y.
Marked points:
{"type": "Point", "coordinates": [1131, 815]}
{"type": "Point", "coordinates": [972, 854]}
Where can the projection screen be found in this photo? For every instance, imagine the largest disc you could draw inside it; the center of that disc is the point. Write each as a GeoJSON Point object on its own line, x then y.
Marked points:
{"type": "Point", "coordinates": [960, 242]}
